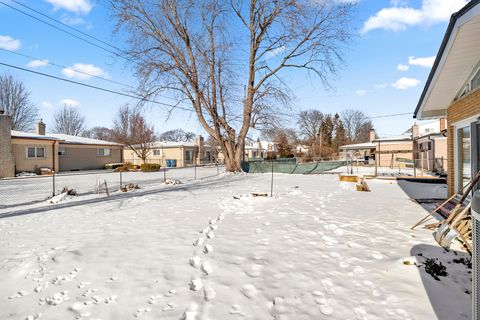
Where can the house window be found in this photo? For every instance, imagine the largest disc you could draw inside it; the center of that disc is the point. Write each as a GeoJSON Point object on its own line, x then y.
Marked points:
{"type": "Point", "coordinates": [62, 152]}
{"type": "Point", "coordinates": [188, 156]}
{"type": "Point", "coordinates": [208, 156]}
{"type": "Point", "coordinates": [156, 152]}
{"type": "Point", "coordinates": [35, 152]}
{"type": "Point", "coordinates": [464, 173]}
{"type": "Point", "coordinates": [104, 152]}
{"type": "Point", "coordinates": [475, 81]}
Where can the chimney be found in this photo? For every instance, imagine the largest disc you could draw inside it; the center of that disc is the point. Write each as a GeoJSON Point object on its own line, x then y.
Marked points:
{"type": "Point", "coordinates": [7, 162]}
{"type": "Point", "coordinates": [373, 135]}
{"type": "Point", "coordinates": [40, 128]}
{"type": "Point", "coordinates": [443, 124]}
{"type": "Point", "coordinates": [415, 130]}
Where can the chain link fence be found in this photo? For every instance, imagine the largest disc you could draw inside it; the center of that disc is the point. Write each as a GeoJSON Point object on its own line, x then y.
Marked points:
{"type": "Point", "coordinates": [29, 190]}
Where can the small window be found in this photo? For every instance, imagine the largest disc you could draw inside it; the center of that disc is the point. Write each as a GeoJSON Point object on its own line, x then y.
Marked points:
{"type": "Point", "coordinates": [189, 155]}
{"type": "Point", "coordinates": [35, 152]}
{"type": "Point", "coordinates": [62, 152]}
{"type": "Point", "coordinates": [475, 81]}
{"type": "Point", "coordinates": [156, 152]}
{"type": "Point", "coordinates": [104, 152]}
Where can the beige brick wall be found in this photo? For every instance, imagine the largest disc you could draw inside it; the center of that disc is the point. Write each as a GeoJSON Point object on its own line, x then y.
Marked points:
{"type": "Point", "coordinates": [23, 163]}
{"type": "Point", "coordinates": [171, 153]}
{"type": "Point", "coordinates": [385, 160]}
{"type": "Point", "coordinates": [85, 157]}
{"type": "Point", "coordinates": [7, 167]}
{"type": "Point", "coordinates": [464, 108]}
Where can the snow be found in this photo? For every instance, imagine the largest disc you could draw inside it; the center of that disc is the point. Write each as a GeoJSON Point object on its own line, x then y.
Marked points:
{"type": "Point", "coordinates": [317, 249]}
{"type": "Point", "coordinates": [381, 171]}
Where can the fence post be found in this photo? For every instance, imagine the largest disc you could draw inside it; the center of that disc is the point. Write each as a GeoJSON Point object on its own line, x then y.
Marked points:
{"type": "Point", "coordinates": [271, 183]}
{"type": "Point", "coordinates": [53, 184]}
{"type": "Point", "coordinates": [195, 170]}
{"type": "Point", "coordinates": [121, 182]}
{"type": "Point", "coordinates": [218, 172]}
{"type": "Point", "coordinates": [164, 174]}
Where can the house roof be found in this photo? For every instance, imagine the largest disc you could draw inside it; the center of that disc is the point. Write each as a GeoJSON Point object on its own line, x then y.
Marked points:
{"type": "Point", "coordinates": [458, 54]}
{"type": "Point", "coordinates": [359, 146]}
{"type": "Point", "coordinates": [172, 144]}
{"type": "Point", "coordinates": [68, 139]}
{"type": "Point", "coordinates": [30, 135]}
{"type": "Point", "coordinates": [62, 138]}
{"type": "Point", "coordinates": [394, 138]}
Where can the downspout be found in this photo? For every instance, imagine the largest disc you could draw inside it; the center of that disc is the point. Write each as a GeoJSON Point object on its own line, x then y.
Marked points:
{"type": "Point", "coordinates": [53, 156]}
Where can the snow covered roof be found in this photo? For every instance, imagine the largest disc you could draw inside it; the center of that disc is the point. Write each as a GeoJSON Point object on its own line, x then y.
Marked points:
{"type": "Point", "coordinates": [172, 144]}
{"type": "Point", "coordinates": [30, 135]}
{"type": "Point", "coordinates": [359, 146]}
{"type": "Point", "coordinates": [67, 139]}
{"type": "Point", "coordinates": [394, 138]}
{"type": "Point", "coordinates": [63, 138]}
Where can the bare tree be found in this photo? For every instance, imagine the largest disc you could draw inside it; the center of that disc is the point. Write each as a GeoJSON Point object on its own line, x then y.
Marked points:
{"type": "Point", "coordinates": [69, 120]}
{"type": "Point", "coordinates": [99, 133]}
{"type": "Point", "coordinates": [228, 58]}
{"type": "Point", "coordinates": [310, 122]}
{"type": "Point", "coordinates": [15, 101]}
{"type": "Point", "coordinates": [354, 122]}
{"type": "Point", "coordinates": [132, 129]}
{"type": "Point", "coordinates": [177, 135]}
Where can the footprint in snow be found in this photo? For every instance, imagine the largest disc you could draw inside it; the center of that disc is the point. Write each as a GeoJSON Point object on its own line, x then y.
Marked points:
{"type": "Point", "coordinates": [249, 291]}
{"type": "Point", "coordinates": [361, 313]}
{"type": "Point", "coordinates": [206, 268]}
{"type": "Point", "coordinates": [169, 307]}
{"type": "Point", "coordinates": [254, 270]}
{"type": "Point", "coordinates": [207, 249]}
{"type": "Point", "coordinates": [195, 284]}
{"type": "Point", "coordinates": [195, 261]}
{"type": "Point", "coordinates": [377, 255]}
{"type": "Point", "coordinates": [210, 234]}
{"type": "Point", "coordinates": [198, 242]}
{"type": "Point", "coordinates": [209, 294]}
{"type": "Point", "coordinates": [328, 286]}
{"type": "Point", "coordinates": [170, 293]}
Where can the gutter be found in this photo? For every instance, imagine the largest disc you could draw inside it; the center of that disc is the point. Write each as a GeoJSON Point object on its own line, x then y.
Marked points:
{"type": "Point", "coordinates": [441, 51]}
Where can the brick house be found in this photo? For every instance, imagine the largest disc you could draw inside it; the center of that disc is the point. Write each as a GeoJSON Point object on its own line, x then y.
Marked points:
{"type": "Point", "coordinates": [30, 152]}
{"type": "Point", "coordinates": [453, 91]}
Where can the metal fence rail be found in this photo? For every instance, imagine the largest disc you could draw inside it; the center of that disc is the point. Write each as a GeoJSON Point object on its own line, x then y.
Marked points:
{"type": "Point", "coordinates": [23, 191]}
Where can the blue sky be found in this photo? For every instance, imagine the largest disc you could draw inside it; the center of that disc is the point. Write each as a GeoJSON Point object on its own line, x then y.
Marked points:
{"type": "Point", "coordinates": [385, 69]}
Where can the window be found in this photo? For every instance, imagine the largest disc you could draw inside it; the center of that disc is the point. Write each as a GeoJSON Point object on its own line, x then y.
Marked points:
{"type": "Point", "coordinates": [464, 173]}
{"type": "Point", "coordinates": [208, 156]}
{"type": "Point", "coordinates": [104, 152]}
{"type": "Point", "coordinates": [475, 81]}
{"type": "Point", "coordinates": [35, 152]}
{"type": "Point", "coordinates": [156, 152]}
{"type": "Point", "coordinates": [62, 152]}
{"type": "Point", "coordinates": [188, 156]}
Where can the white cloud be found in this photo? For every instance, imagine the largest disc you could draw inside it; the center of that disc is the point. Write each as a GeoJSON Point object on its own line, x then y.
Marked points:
{"type": "Point", "coordinates": [405, 83]}
{"type": "Point", "coordinates": [8, 43]}
{"type": "Point", "coordinates": [76, 21]}
{"type": "Point", "coordinates": [47, 105]}
{"type": "Point", "coordinates": [84, 71]}
{"type": "Point", "coordinates": [69, 102]}
{"type": "Point", "coordinates": [37, 63]}
{"type": "Point", "coordinates": [403, 67]}
{"type": "Point", "coordinates": [422, 62]}
{"type": "Point", "coordinates": [361, 92]}
{"type": "Point", "coordinates": [77, 6]}
{"type": "Point", "coordinates": [380, 86]}
{"type": "Point", "coordinates": [400, 18]}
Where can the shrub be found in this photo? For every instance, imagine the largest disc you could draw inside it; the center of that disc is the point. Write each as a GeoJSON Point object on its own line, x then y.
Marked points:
{"type": "Point", "coordinates": [150, 167]}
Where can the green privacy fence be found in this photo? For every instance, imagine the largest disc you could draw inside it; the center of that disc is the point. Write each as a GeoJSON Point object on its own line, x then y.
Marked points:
{"type": "Point", "coordinates": [291, 167]}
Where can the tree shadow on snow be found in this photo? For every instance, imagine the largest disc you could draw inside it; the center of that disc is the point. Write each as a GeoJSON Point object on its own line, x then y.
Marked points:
{"type": "Point", "coordinates": [119, 196]}
{"type": "Point", "coordinates": [450, 294]}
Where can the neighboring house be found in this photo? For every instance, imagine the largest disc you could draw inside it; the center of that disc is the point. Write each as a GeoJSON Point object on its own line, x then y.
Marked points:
{"type": "Point", "coordinates": [175, 154]}
{"type": "Point", "coordinates": [429, 149]}
{"type": "Point", "coordinates": [260, 149]}
{"type": "Point", "coordinates": [30, 152]}
{"type": "Point", "coordinates": [453, 90]}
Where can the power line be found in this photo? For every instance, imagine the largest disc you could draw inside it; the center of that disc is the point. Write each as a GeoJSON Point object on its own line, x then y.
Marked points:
{"type": "Point", "coordinates": [65, 67]}
{"type": "Point", "coordinates": [95, 87]}
{"type": "Point", "coordinates": [390, 115]}
{"type": "Point", "coordinates": [65, 31]}
{"type": "Point", "coordinates": [68, 26]}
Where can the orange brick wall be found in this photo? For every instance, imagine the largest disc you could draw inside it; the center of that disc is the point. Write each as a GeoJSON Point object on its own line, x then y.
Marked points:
{"type": "Point", "coordinates": [464, 108]}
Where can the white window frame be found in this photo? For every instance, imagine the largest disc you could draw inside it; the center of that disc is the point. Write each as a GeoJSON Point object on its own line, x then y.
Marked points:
{"type": "Point", "coordinates": [456, 126]}
{"type": "Point", "coordinates": [104, 155]}
{"type": "Point", "coordinates": [36, 155]}
{"type": "Point", "coordinates": [60, 153]}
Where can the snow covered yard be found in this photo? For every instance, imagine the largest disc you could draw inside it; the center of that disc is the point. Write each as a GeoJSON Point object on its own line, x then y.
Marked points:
{"type": "Point", "coordinates": [317, 250]}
